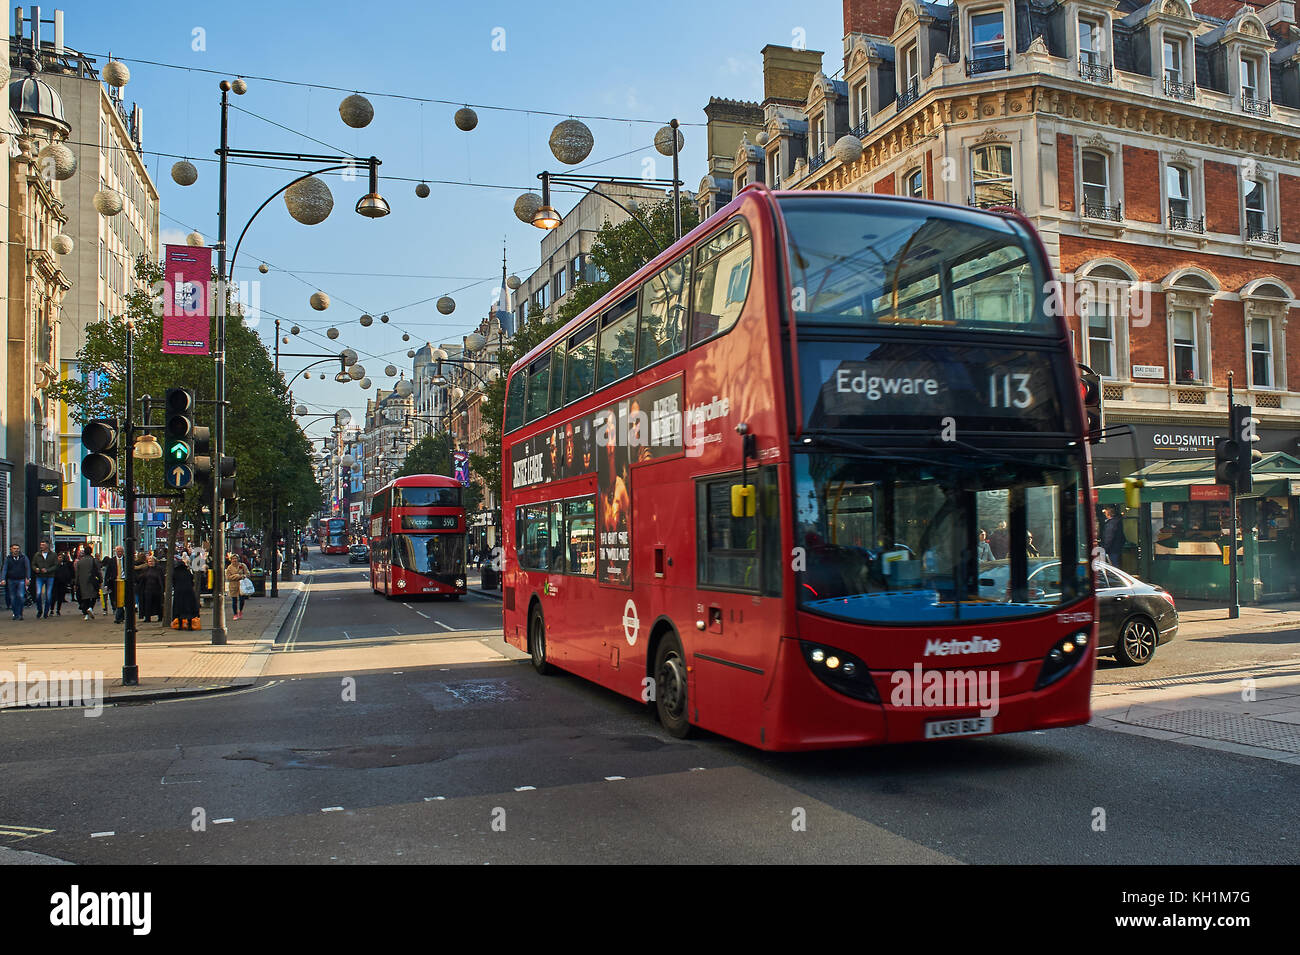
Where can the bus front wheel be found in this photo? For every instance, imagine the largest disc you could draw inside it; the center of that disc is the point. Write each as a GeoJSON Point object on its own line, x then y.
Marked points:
{"type": "Point", "coordinates": [671, 703]}
{"type": "Point", "coordinates": [537, 643]}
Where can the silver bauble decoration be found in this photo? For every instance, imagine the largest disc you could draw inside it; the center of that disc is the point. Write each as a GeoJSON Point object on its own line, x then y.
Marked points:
{"type": "Point", "coordinates": [332, 332]}
{"type": "Point", "coordinates": [402, 387]}
{"type": "Point", "coordinates": [57, 161]}
{"type": "Point", "coordinates": [384, 319]}
{"type": "Point", "coordinates": [349, 357]}
{"type": "Point", "coordinates": [761, 139]}
{"type": "Point", "coordinates": [406, 336]}
{"type": "Point", "coordinates": [357, 371]}
{"type": "Point", "coordinates": [513, 283]}
{"type": "Point", "coordinates": [107, 202]}
{"type": "Point", "coordinates": [61, 244]}
{"type": "Point", "coordinates": [410, 353]}
{"type": "Point", "coordinates": [195, 239]}
{"type": "Point", "coordinates": [847, 149]}
{"type": "Point", "coordinates": [526, 207]}
{"type": "Point", "coordinates": [664, 141]}
{"type": "Point", "coordinates": [239, 86]}
{"type": "Point", "coordinates": [571, 141]}
{"type": "Point", "coordinates": [184, 173]}
{"type": "Point", "coordinates": [319, 301]}
{"type": "Point", "coordinates": [263, 268]}
{"type": "Point", "coordinates": [301, 409]}
{"type": "Point", "coordinates": [466, 118]}
{"type": "Point", "coordinates": [295, 330]}
{"type": "Point", "coordinates": [446, 305]}
{"type": "Point", "coordinates": [115, 73]}
{"type": "Point", "coordinates": [366, 321]}
{"type": "Point", "coordinates": [422, 190]}
{"type": "Point", "coordinates": [309, 201]}
{"type": "Point", "coordinates": [356, 111]}
{"type": "Point", "coordinates": [365, 384]}
{"type": "Point", "coordinates": [390, 370]}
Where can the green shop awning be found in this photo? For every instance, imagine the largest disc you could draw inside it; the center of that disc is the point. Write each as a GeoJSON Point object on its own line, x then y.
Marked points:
{"type": "Point", "coordinates": [1276, 475]}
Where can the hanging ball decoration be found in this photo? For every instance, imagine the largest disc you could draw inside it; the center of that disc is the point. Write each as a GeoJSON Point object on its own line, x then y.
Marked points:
{"type": "Point", "coordinates": [107, 202]}
{"type": "Point", "coordinates": [322, 376]}
{"type": "Point", "coordinates": [384, 319]}
{"type": "Point", "coordinates": [406, 337]}
{"type": "Point", "coordinates": [466, 118]}
{"type": "Point", "coordinates": [847, 149]}
{"type": "Point", "coordinates": [301, 409]}
{"type": "Point", "coordinates": [319, 301]}
{"type": "Point", "coordinates": [263, 268]}
{"type": "Point", "coordinates": [61, 244]}
{"type": "Point", "coordinates": [410, 353]}
{"type": "Point", "coordinates": [307, 375]}
{"type": "Point", "coordinates": [571, 141]}
{"type": "Point", "coordinates": [349, 358]}
{"type": "Point", "coordinates": [116, 74]}
{"type": "Point", "coordinates": [366, 321]}
{"type": "Point", "coordinates": [761, 139]}
{"type": "Point", "coordinates": [526, 207]}
{"type": "Point", "coordinates": [295, 330]}
{"type": "Point", "coordinates": [402, 387]}
{"type": "Point", "coordinates": [446, 305]}
{"type": "Point", "coordinates": [357, 371]}
{"type": "Point", "coordinates": [284, 340]}
{"type": "Point", "coordinates": [309, 201]}
{"type": "Point", "coordinates": [239, 86]}
{"type": "Point", "coordinates": [365, 384]}
{"type": "Point", "coordinates": [332, 332]}
{"type": "Point", "coordinates": [184, 173]}
{"type": "Point", "coordinates": [57, 160]}
{"type": "Point", "coordinates": [356, 111]}
{"type": "Point", "coordinates": [195, 239]}
{"type": "Point", "coordinates": [664, 141]}
{"type": "Point", "coordinates": [390, 370]}
{"type": "Point", "coordinates": [513, 283]}
{"type": "Point", "coordinates": [422, 190]}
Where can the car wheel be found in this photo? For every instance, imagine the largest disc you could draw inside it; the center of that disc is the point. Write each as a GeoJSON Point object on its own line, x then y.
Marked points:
{"type": "Point", "coordinates": [671, 702]}
{"type": "Point", "coordinates": [537, 643]}
{"type": "Point", "coordinates": [1137, 642]}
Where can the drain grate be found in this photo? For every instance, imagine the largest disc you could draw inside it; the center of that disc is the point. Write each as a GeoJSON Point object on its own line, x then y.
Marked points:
{"type": "Point", "coordinates": [1213, 724]}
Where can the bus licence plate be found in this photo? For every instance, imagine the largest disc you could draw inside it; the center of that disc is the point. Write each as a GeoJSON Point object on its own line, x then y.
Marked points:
{"type": "Point", "coordinates": [968, 726]}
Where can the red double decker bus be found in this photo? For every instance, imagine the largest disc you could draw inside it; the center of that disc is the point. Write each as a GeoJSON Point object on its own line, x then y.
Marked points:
{"type": "Point", "coordinates": [417, 537]}
{"type": "Point", "coordinates": [334, 536]}
{"type": "Point", "coordinates": [815, 476]}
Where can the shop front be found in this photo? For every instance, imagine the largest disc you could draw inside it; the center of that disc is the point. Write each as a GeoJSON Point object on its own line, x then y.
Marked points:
{"type": "Point", "coordinates": [1179, 537]}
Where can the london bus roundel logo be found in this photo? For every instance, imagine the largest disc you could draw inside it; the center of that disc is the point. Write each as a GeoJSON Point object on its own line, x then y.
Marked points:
{"type": "Point", "coordinates": [631, 623]}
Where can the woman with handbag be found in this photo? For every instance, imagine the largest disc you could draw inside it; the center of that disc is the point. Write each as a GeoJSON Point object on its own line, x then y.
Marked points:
{"type": "Point", "coordinates": [240, 582]}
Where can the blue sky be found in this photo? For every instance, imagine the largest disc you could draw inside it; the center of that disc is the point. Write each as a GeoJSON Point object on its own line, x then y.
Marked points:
{"type": "Point", "coordinates": [623, 60]}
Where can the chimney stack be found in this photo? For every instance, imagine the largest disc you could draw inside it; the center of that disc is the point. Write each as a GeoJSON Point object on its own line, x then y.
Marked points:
{"type": "Point", "coordinates": [873, 17]}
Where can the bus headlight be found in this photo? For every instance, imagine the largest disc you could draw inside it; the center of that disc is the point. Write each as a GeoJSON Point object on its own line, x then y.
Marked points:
{"type": "Point", "coordinates": [842, 672]}
{"type": "Point", "coordinates": [1065, 654]}
{"type": "Point", "coordinates": [460, 581]}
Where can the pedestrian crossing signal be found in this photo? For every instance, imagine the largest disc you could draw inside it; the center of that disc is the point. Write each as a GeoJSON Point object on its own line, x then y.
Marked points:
{"type": "Point", "coordinates": [99, 438]}
{"type": "Point", "coordinates": [178, 443]}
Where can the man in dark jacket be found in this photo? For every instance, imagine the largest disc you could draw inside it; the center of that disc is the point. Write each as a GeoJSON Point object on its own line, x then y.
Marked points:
{"type": "Point", "coordinates": [1112, 536]}
{"type": "Point", "coordinates": [114, 570]}
{"type": "Point", "coordinates": [88, 578]}
{"type": "Point", "coordinates": [17, 568]}
{"type": "Point", "coordinates": [44, 564]}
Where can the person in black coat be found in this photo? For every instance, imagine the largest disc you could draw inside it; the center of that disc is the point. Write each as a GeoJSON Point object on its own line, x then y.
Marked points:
{"type": "Point", "coordinates": [88, 580]}
{"type": "Point", "coordinates": [62, 582]}
{"type": "Point", "coordinates": [185, 603]}
{"type": "Point", "coordinates": [151, 589]}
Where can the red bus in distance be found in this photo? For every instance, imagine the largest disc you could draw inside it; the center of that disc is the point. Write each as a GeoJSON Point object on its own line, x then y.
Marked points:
{"type": "Point", "coordinates": [334, 536]}
{"type": "Point", "coordinates": [815, 476]}
{"type": "Point", "coordinates": [417, 537]}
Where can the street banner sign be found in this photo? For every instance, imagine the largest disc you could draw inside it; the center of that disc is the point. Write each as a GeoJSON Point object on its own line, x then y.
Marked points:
{"type": "Point", "coordinates": [186, 313]}
{"type": "Point", "coordinates": [460, 463]}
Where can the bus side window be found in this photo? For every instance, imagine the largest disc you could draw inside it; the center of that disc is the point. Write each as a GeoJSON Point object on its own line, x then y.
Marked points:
{"type": "Point", "coordinates": [580, 365]}
{"type": "Point", "coordinates": [557, 377]}
{"type": "Point", "coordinates": [727, 545]}
{"type": "Point", "coordinates": [663, 312]}
{"type": "Point", "coordinates": [722, 274]}
{"type": "Point", "coordinates": [617, 342]}
{"type": "Point", "coordinates": [515, 401]}
{"type": "Point", "coordinates": [539, 388]}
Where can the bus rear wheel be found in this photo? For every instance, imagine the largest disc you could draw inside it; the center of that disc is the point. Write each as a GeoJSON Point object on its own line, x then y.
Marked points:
{"type": "Point", "coordinates": [671, 703]}
{"type": "Point", "coordinates": [537, 643]}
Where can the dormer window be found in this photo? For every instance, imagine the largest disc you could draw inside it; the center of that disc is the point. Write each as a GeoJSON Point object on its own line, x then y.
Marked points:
{"type": "Point", "coordinates": [861, 105]}
{"type": "Point", "coordinates": [1092, 50]}
{"type": "Point", "coordinates": [988, 43]}
{"type": "Point", "coordinates": [1253, 77]}
{"type": "Point", "coordinates": [1179, 82]}
{"type": "Point", "coordinates": [911, 77]}
{"type": "Point", "coordinates": [1173, 61]}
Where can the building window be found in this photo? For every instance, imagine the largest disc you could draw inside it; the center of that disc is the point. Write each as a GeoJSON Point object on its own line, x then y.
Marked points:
{"type": "Point", "coordinates": [1179, 82]}
{"type": "Point", "coordinates": [1261, 353]}
{"type": "Point", "coordinates": [575, 270]}
{"type": "Point", "coordinates": [773, 167]}
{"type": "Point", "coordinates": [1096, 179]}
{"type": "Point", "coordinates": [914, 183]}
{"type": "Point", "coordinates": [861, 106]}
{"type": "Point", "coordinates": [1187, 365]}
{"type": "Point", "coordinates": [988, 48]}
{"type": "Point", "coordinates": [992, 183]}
{"type": "Point", "coordinates": [1090, 41]}
{"type": "Point", "coordinates": [1178, 188]}
{"type": "Point", "coordinates": [1256, 216]}
{"type": "Point", "coordinates": [1101, 339]}
{"type": "Point", "coordinates": [910, 80]}
{"type": "Point", "coordinates": [1249, 78]}
{"type": "Point", "coordinates": [559, 289]}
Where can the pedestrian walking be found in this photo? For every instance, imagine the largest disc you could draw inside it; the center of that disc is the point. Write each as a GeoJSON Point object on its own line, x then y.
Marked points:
{"type": "Point", "coordinates": [44, 564]}
{"type": "Point", "coordinates": [151, 589]}
{"type": "Point", "coordinates": [115, 577]}
{"type": "Point", "coordinates": [139, 567]}
{"type": "Point", "coordinates": [185, 603]}
{"type": "Point", "coordinates": [88, 580]}
{"type": "Point", "coordinates": [17, 568]}
{"type": "Point", "coordinates": [1112, 535]}
{"type": "Point", "coordinates": [62, 582]}
{"type": "Point", "coordinates": [236, 571]}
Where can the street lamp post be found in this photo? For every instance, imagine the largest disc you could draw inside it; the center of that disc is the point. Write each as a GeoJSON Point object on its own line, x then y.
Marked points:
{"type": "Point", "coordinates": [371, 206]}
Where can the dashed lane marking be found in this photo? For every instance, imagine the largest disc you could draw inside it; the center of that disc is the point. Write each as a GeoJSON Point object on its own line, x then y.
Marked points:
{"type": "Point", "coordinates": [443, 625]}
{"type": "Point", "coordinates": [610, 779]}
{"type": "Point", "coordinates": [332, 809]}
{"type": "Point", "coordinates": [524, 789]}
{"type": "Point", "coordinates": [101, 835]}
{"type": "Point", "coordinates": [423, 614]}
{"type": "Point", "coordinates": [217, 822]}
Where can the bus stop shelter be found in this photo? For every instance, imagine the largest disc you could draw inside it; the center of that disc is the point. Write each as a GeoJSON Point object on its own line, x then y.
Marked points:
{"type": "Point", "coordinates": [1179, 536]}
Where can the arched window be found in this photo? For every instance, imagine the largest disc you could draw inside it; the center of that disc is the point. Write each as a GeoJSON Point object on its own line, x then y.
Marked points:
{"type": "Point", "coordinates": [914, 183]}
{"type": "Point", "coordinates": [992, 182]}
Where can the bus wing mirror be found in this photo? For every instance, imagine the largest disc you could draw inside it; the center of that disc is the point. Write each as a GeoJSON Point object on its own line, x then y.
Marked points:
{"type": "Point", "coordinates": [742, 500]}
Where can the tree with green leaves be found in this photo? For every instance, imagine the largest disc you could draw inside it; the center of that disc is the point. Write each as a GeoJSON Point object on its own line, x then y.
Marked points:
{"type": "Point", "coordinates": [432, 455]}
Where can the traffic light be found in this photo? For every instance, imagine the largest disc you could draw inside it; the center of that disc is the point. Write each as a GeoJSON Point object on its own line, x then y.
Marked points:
{"type": "Point", "coordinates": [178, 430]}
{"type": "Point", "coordinates": [1094, 417]}
{"type": "Point", "coordinates": [1227, 455]}
{"type": "Point", "coordinates": [226, 474]}
{"type": "Point", "coordinates": [1242, 426]}
{"type": "Point", "coordinates": [203, 455]}
{"type": "Point", "coordinates": [99, 438]}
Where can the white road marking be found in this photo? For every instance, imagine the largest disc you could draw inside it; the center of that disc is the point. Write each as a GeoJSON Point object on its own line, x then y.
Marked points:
{"type": "Point", "coordinates": [408, 606]}
{"type": "Point", "coordinates": [610, 779]}
{"type": "Point", "coordinates": [443, 625]}
{"type": "Point", "coordinates": [345, 635]}
{"type": "Point", "coordinates": [217, 822]}
{"type": "Point", "coordinates": [434, 798]}
{"type": "Point", "coordinates": [524, 789]}
{"type": "Point", "coordinates": [100, 835]}
{"type": "Point", "coordinates": [332, 809]}
{"type": "Point", "coordinates": [423, 614]}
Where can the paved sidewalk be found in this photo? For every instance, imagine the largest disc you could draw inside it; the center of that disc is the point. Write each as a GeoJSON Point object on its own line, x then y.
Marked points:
{"type": "Point", "coordinates": [1198, 618]}
{"type": "Point", "coordinates": [171, 662]}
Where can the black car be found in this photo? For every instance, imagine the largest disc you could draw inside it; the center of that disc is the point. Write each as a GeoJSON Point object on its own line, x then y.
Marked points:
{"type": "Point", "coordinates": [358, 554]}
{"type": "Point", "coordinates": [1134, 617]}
